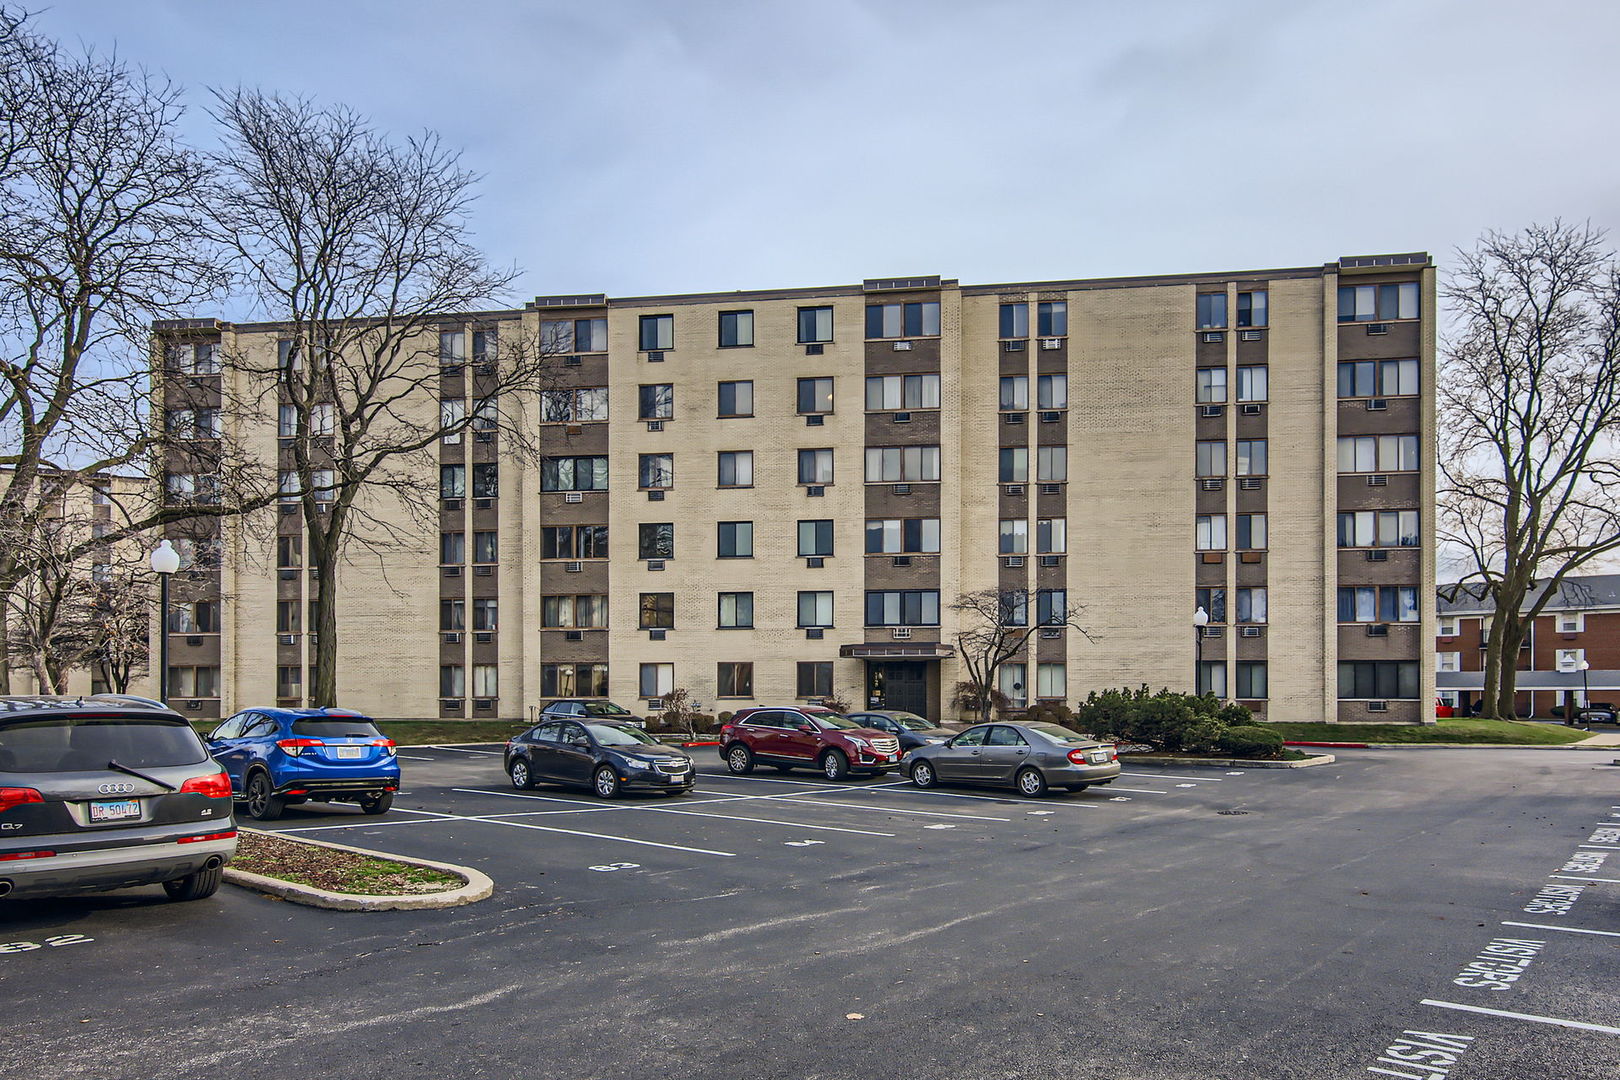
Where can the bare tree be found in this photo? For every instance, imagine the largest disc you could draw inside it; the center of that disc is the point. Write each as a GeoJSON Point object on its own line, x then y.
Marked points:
{"type": "Point", "coordinates": [359, 244]}
{"type": "Point", "coordinates": [995, 625]}
{"type": "Point", "coordinates": [1529, 408]}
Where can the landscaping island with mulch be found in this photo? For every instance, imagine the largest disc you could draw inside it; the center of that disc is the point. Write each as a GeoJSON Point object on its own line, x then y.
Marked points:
{"type": "Point", "coordinates": [343, 878]}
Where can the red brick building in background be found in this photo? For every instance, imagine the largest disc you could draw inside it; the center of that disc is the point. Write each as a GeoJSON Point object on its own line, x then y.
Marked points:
{"type": "Point", "coordinates": [1580, 624]}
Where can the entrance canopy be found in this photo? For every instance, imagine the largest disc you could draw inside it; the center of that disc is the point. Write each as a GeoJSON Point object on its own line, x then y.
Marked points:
{"type": "Point", "coordinates": [897, 650]}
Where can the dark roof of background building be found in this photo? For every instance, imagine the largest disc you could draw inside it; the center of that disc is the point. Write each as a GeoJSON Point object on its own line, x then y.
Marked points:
{"type": "Point", "coordinates": [1574, 594]}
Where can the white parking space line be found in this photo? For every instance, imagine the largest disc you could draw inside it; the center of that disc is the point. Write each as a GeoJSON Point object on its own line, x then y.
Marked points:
{"type": "Point", "coordinates": [674, 810]}
{"type": "Point", "coordinates": [464, 750]}
{"type": "Point", "coordinates": [603, 836]}
{"type": "Point", "coordinates": [1565, 929]}
{"type": "Point", "coordinates": [1605, 880]}
{"type": "Point", "coordinates": [1163, 776]}
{"type": "Point", "coordinates": [407, 757]}
{"type": "Point", "coordinates": [1577, 1024]}
{"type": "Point", "coordinates": [798, 798]}
{"type": "Point", "coordinates": [1138, 790]}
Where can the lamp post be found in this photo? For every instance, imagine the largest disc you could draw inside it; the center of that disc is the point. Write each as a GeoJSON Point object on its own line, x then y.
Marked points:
{"type": "Point", "coordinates": [165, 561]}
{"type": "Point", "coordinates": [1586, 692]}
{"type": "Point", "coordinates": [1200, 620]}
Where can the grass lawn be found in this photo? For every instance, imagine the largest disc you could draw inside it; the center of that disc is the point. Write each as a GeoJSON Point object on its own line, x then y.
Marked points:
{"type": "Point", "coordinates": [426, 732]}
{"type": "Point", "coordinates": [1506, 732]}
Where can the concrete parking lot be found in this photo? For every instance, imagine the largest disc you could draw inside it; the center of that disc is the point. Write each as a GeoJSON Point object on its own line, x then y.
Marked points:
{"type": "Point", "coordinates": [1431, 913]}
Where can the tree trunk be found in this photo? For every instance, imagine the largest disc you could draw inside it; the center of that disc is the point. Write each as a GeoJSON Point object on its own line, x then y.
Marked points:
{"type": "Point", "coordinates": [5, 646]}
{"type": "Point", "coordinates": [323, 692]}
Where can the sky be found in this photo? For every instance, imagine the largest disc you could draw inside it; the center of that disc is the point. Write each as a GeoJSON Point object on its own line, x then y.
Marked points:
{"type": "Point", "coordinates": [640, 147]}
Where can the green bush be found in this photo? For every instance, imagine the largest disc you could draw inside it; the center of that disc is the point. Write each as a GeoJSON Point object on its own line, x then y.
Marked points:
{"type": "Point", "coordinates": [1163, 720]}
{"type": "Point", "coordinates": [1050, 712]}
{"type": "Point", "coordinates": [725, 717]}
{"type": "Point", "coordinates": [1251, 741]}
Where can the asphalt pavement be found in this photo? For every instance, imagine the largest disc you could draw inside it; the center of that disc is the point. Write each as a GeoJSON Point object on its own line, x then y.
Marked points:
{"type": "Point", "coordinates": [1438, 914]}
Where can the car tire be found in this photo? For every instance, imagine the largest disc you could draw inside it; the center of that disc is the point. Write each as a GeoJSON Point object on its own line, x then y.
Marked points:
{"type": "Point", "coordinates": [1031, 784]}
{"type": "Point", "coordinates": [605, 782]}
{"type": "Point", "coordinates": [923, 775]}
{"type": "Point", "coordinates": [834, 765]}
{"type": "Point", "coordinates": [262, 802]}
{"type": "Point", "coordinates": [377, 804]}
{"type": "Point", "coordinates": [521, 774]}
{"type": "Point", "coordinates": [198, 886]}
{"type": "Point", "coordinates": [739, 759]}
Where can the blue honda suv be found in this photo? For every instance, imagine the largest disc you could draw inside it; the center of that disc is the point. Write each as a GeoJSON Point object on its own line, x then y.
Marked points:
{"type": "Point", "coordinates": [280, 757]}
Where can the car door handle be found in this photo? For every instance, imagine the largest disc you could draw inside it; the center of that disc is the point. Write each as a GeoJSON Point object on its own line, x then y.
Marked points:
{"type": "Point", "coordinates": [1021, 753]}
{"type": "Point", "coordinates": [975, 753]}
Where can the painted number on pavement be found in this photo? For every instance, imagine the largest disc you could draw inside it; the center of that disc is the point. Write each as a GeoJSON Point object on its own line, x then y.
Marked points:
{"type": "Point", "coordinates": [50, 942]}
{"type": "Point", "coordinates": [608, 868]}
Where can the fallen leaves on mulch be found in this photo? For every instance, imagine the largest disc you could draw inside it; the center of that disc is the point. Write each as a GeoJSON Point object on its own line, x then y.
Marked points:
{"type": "Point", "coordinates": [336, 871]}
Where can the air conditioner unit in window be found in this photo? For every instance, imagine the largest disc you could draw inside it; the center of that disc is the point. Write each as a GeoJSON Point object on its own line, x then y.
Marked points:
{"type": "Point", "coordinates": [657, 635]}
{"type": "Point", "coordinates": [1051, 489]}
{"type": "Point", "coordinates": [902, 346]}
{"type": "Point", "coordinates": [1378, 629]}
{"type": "Point", "coordinates": [1211, 483]}
{"type": "Point", "coordinates": [655, 425]}
{"type": "Point", "coordinates": [901, 418]}
{"type": "Point", "coordinates": [814, 350]}
{"type": "Point", "coordinates": [194, 705]}
{"type": "Point", "coordinates": [1249, 631]}
{"type": "Point", "coordinates": [1214, 631]}
{"type": "Point", "coordinates": [1376, 329]}
{"type": "Point", "coordinates": [451, 639]}
{"type": "Point", "coordinates": [287, 639]}
{"type": "Point", "coordinates": [1051, 560]}
{"type": "Point", "coordinates": [483, 504]}
{"type": "Point", "coordinates": [815, 562]}
{"type": "Point", "coordinates": [902, 560]}
{"type": "Point", "coordinates": [1252, 410]}
{"type": "Point", "coordinates": [1213, 337]}
{"type": "Point", "coordinates": [483, 638]}
{"type": "Point", "coordinates": [1250, 483]}
{"type": "Point", "coordinates": [483, 704]}
{"type": "Point", "coordinates": [1378, 706]}
{"type": "Point", "coordinates": [655, 564]}
{"type": "Point", "coordinates": [900, 633]}
{"type": "Point", "coordinates": [484, 436]}
{"type": "Point", "coordinates": [813, 634]}
{"type": "Point", "coordinates": [450, 704]}
{"type": "Point", "coordinates": [655, 357]}
{"type": "Point", "coordinates": [1013, 489]}
{"type": "Point", "coordinates": [287, 575]}
{"type": "Point", "coordinates": [572, 361]}
{"type": "Point", "coordinates": [1210, 411]}
{"type": "Point", "coordinates": [1014, 560]}
{"type": "Point", "coordinates": [1378, 480]}
{"type": "Point", "coordinates": [1249, 335]}
{"type": "Point", "coordinates": [1377, 555]}
{"type": "Point", "coordinates": [1051, 417]}
{"type": "Point", "coordinates": [1014, 418]}
{"type": "Point", "coordinates": [901, 489]}
{"type": "Point", "coordinates": [1052, 633]}
{"type": "Point", "coordinates": [814, 491]}
{"type": "Point", "coordinates": [1051, 343]}
{"type": "Point", "coordinates": [1377, 404]}
{"type": "Point", "coordinates": [655, 495]}
{"type": "Point", "coordinates": [451, 505]}
{"type": "Point", "coordinates": [483, 571]}
{"type": "Point", "coordinates": [573, 635]}
{"type": "Point", "coordinates": [573, 567]}
{"type": "Point", "coordinates": [655, 703]}
{"type": "Point", "coordinates": [573, 496]}
{"type": "Point", "coordinates": [815, 420]}
{"type": "Point", "coordinates": [1012, 346]}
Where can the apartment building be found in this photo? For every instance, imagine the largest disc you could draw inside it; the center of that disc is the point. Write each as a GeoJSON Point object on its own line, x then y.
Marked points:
{"type": "Point", "coordinates": [777, 495]}
{"type": "Point", "coordinates": [1573, 648]}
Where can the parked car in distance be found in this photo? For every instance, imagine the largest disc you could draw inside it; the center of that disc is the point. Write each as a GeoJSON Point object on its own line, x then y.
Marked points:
{"type": "Point", "coordinates": [912, 730]}
{"type": "Point", "coordinates": [1442, 711]}
{"type": "Point", "coordinates": [806, 737]}
{"type": "Point", "coordinates": [1031, 757]}
{"type": "Point", "coordinates": [1597, 712]}
{"type": "Point", "coordinates": [278, 758]}
{"type": "Point", "coordinates": [607, 758]}
{"type": "Point", "coordinates": [588, 710]}
{"type": "Point", "coordinates": [102, 793]}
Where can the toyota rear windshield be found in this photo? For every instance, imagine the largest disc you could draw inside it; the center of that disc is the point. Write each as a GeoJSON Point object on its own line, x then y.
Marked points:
{"type": "Point", "coordinates": [87, 743]}
{"type": "Point", "coordinates": [326, 728]}
{"type": "Point", "coordinates": [1059, 734]}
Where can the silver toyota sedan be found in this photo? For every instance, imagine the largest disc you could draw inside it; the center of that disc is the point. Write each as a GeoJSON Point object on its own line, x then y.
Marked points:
{"type": "Point", "coordinates": [1030, 757]}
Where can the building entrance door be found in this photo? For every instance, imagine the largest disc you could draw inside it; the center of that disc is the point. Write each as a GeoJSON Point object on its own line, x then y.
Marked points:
{"type": "Point", "coordinates": [898, 684]}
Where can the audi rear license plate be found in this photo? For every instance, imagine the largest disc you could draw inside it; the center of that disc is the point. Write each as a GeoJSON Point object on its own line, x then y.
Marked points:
{"type": "Point", "coordinates": [114, 809]}
{"type": "Point", "coordinates": [350, 751]}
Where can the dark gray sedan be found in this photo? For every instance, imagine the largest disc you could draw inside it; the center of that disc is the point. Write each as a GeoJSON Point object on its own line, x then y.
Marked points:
{"type": "Point", "coordinates": [912, 730]}
{"type": "Point", "coordinates": [1031, 757]}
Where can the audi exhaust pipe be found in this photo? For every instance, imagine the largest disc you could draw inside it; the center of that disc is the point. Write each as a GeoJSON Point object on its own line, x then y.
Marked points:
{"type": "Point", "coordinates": [5, 887]}
{"type": "Point", "coordinates": [214, 863]}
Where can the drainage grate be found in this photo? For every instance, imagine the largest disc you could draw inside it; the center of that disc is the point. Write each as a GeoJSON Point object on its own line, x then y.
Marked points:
{"type": "Point", "coordinates": [1231, 813]}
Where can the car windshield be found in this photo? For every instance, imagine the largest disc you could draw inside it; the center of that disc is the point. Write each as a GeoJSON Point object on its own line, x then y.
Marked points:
{"type": "Point", "coordinates": [1059, 734]}
{"type": "Point", "coordinates": [87, 744]}
{"type": "Point", "coordinates": [604, 708]}
{"type": "Point", "coordinates": [912, 722]}
{"type": "Point", "coordinates": [613, 735]}
{"type": "Point", "coordinates": [833, 720]}
{"type": "Point", "coordinates": [329, 728]}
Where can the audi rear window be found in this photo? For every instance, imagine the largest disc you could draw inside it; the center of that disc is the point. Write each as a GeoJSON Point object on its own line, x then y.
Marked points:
{"type": "Point", "coordinates": [336, 729]}
{"type": "Point", "coordinates": [87, 744]}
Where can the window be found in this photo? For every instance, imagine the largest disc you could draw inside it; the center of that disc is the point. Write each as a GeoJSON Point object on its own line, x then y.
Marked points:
{"type": "Point", "coordinates": [1014, 536]}
{"type": "Point", "coordinates": [486, 681]}
{"type": "Point", "coordinates": [289, 360]}
{"type": "Point", "coordinates": [1014, 393]}
{"type": "Point", "coordinates": [737, 398]}
{"type": "Point", "coordinates": [1251, 457]}
{"type": "Point", "coordinates": [573, 336]}
{"type": "Point", "coordinates": [288, 485]}
{"type": "Point", "coordinates": [656, 680]}
{"type": "Point", "coordinates": [1369, 303]}
{"type": "Point", "coordinates": [816, 537]}
{"type": "Point", "coordinates": [1251, 383]}
{"type": "Point", "coordinates": [890, 392]}
{"type": "Point", "coordinates": [557, 407]}
{"type": "Point", "coordinates": [453, 413]}
{"type": "Point", "coordinates": [289, 682]}
{"type": "Point", "coordinates": [1251, 311]}
{"type": "Point", "coordinates": [736, 329]}
{"type": "Point", "coordinates": [656, 402]}
{"type": "Point", "coordinates": [655, 540]}
{"type": "Point", "coordinates": [1052, 392]}
{"type": "Point", "coordinates": [486, 345]}
{"type": "Point", "coordinates": [1251, 679]}
{"type": "Point", "coordinates": [1378, 679]}
{"type": "Point", "coordinates": [1213, 601]}
{"type": "Point", "coordinates": [1212, 677]}
{"type": "Point", "coordinates": [574, 474]}
{"type": "Point", "coordinates": [574, 542]}
{"type": "Point", "coordinates": [452, 481]}
{"type": "Point", "coordinates": [1378, 453]}
{"type": "Point", "coordinates": [1010, 680]}
{"type": "Point", "coordinates": [816, 466]}
{"type": "Point", "coordinates": [485, 613]}
{"type": "Point", "coordinates": [1448, 661]}
{"type": "Point", "coordinates": [902, 464]}
{"type": "Point", "coordinates": [1251, 605]}
{"type": "Point", "coordinates": [1211, 385]}
{"type": "Point", "coordinates": [815, 396]}
{"type": "Point", "coordinates": [581, 612]}
{"type": "Point", "coordinates": [735, 540]}
{"type": "Point", "coordinates": [902, 607]}
{"type": "Point", "coordinates": [1052, 464]}
{"type": "Point", "coordinates": [452, 548]}
{"type": "Point", "coordinates": [1447, 626]}
{"type": "Point", "coordinates": [1211, 458]}
{"type": "Point", "coordinates": [1378, 528]}
{"type": "Point", "coordinates": [452, 347]}
{"type": "Point", "coordinates": [289, 552]}
{"type": "Point", "coordinates": [1014, 465]}
{"type": "Point", "coordinates": [100, 495]}
{"type": "Point", "coordinates": [486, 480]}
{"type": "Point", "coordinates": [1571, 622]}
{"type": "Point", "coordinates": [1013, 607]}
{"type": "Point", "coordinates": [656, 470]}
{"type": "Point", "coordinates": [815, 325]}
{"type": "Point", "coordinates": [452, 615]}
{"type": "Point", "coordinates": [736, 610]}
{"type": "Point", "coordinates": [815, 678]}
{"type": "Point", "coordinates": [1378, 603]}
{"type": "Point", "coordinates": [736, 468]}
{"type": "Point", "coordinates": [573, 680]}
{"type": "Point", "coordinates": [1052, 607]}
{"type": "Point", "coordinates": [199, 617]}
{"type": "Point", "coordinates": [734, 680]}
{"type": "Point", "coordinates": [321, 482]}
{"type": "Point", "coordinates": [1211, 311]}
{"type": "Point", "coordinates": [1378, 378]}
{"type": "Point", "coordinates": [1251, 532]}
{"type": "Point", "coordinates": [289, 616]}
{"type": "Point", "coordinates": [919, 319]}
{"type": "Point", "coordinates": [1014, 321]}
{"type": "Point", "coordinates": [194, 682]}
{"type": "Point", "coordinates": [1051, 681]}
{"type": "Point", "coordinates": [452, 681]}
{"type": "Point", "coordinates": [1052, 318]}
{"type": "Point", "coordinates": [902, 536]}
{"type": "Point", "coordinates": [1570, 659]}
{"type": "Point", "coordinates": [657, 332]}
{"type": "Point", "coordinates": [657, 610]}
{"type": "Point", "coordinates": [815, 609]}
{"type": "Point", "coordinates": [1051, 536]}
{"type": "Point", "coordinates": [485, 546]}
{"type": "Point", "coordinates": [1211, 532]}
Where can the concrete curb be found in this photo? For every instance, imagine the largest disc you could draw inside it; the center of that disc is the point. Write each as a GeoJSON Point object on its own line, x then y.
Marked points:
{"type": "Point", "coordinates": [478, 885]}
{"type": "Point", "coordinates": [1611, 747]}
{"type": "Point", "coordinates": [1246, 763]}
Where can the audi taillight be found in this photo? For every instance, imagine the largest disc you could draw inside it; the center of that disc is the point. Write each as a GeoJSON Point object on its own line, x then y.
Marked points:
{"type": "Point", "coordinates": [206, 836]}
{"type": "Point", "coordinates": [16, 796]}
{"type": "Point", "coordinates": [216, 786]}
{"type": "Point", "coordinates": [26, 855]}
{"type": "Point", "coordinates": [294, 747]}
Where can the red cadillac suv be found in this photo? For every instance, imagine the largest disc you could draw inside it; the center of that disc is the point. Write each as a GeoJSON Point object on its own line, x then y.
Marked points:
{"type": "Point", "coordinates": [806, 737]}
